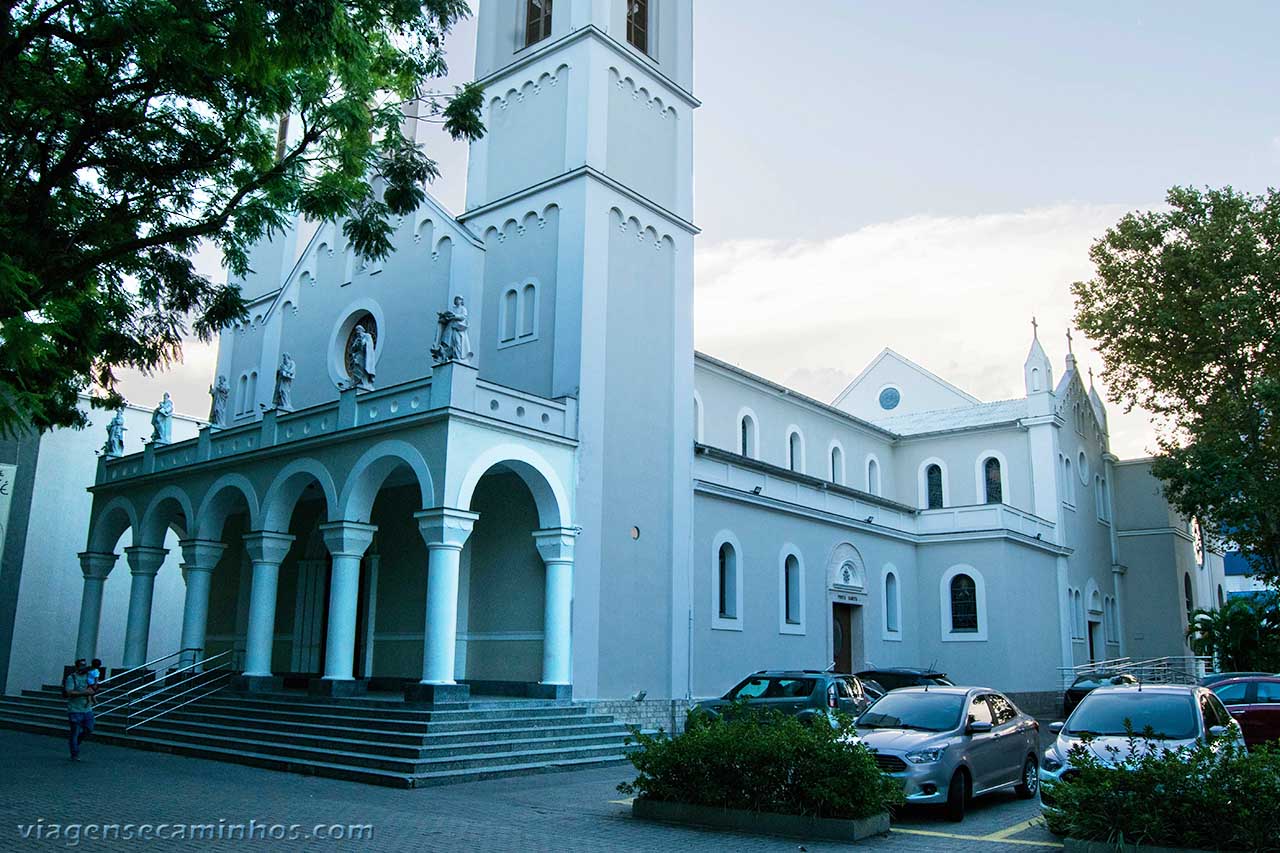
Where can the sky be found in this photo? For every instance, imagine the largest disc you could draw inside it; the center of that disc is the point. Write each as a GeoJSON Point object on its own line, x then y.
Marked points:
{"type": "Point", "coordinates": [929, 176]}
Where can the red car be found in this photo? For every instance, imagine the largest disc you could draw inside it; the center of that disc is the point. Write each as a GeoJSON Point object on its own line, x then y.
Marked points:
{"type": "Point", "coordinates": [1255, 703]}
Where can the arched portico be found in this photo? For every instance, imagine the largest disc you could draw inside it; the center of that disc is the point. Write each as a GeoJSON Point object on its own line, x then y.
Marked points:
{"type": "Point", "coordinates": [519, 565]}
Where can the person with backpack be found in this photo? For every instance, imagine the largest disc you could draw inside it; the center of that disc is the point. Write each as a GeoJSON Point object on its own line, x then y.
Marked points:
{"type": "Point", "coordinates": [78, 692]}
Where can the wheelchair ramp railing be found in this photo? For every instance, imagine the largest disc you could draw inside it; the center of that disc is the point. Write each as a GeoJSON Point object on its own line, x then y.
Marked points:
{"type": "Point", "coordinates": [1188, 669]}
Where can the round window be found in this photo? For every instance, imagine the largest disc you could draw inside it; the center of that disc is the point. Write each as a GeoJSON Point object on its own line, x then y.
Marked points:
{"type": "Point", "coordinates": [890, 398]}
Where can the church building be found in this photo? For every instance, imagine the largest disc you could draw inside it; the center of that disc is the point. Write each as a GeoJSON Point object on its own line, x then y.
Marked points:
{"type": "Point", "coordinates": [493, 464]}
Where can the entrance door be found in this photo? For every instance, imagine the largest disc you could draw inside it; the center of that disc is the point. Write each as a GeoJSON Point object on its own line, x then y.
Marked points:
{"type": "Point", "coordinates": [842, 636]}
{"type": "Point", "coordinates": [1095, 628]}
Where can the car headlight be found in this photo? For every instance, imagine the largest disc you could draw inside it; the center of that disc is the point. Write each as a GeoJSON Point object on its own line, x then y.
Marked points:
{"type": "Point", "coordinates": [924, 756]}
{"type": "Point", "coordinates": [1051, 762]}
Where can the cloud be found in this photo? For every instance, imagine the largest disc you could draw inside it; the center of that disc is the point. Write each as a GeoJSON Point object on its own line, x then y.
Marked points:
{"type": "Point", "coordinates": [956, 294]}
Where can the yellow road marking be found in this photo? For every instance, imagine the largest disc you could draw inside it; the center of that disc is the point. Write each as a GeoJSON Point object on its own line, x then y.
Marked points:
{"type": "Point", "coordinates": [986, 838]}
{"type": "Point", "coordinates": [1014, 830]}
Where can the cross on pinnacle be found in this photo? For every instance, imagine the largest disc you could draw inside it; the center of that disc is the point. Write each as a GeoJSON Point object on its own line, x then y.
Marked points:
{"type": "Point", "coordinates": [1035, 328]}
{"type": "Point", "coordinates": [1069, 342]}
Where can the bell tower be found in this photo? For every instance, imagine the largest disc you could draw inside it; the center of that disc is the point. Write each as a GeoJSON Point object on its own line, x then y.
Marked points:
{"type": "Point", "coordinates": [582, 194]}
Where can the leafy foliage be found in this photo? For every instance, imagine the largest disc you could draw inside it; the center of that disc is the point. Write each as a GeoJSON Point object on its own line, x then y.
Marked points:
{"type": "Point", "coordinates": [1207, 797]}
{"type": "Point", "coordinates": [762, 761]}
{"type": "Point", "coordinates": [1185, 307]}
{"type": "Point", "coordinates": [132, 130]}
{"type": "Point", "coordinates": [1242, 636]}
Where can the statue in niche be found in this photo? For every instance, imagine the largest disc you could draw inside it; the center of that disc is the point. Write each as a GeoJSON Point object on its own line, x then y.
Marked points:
{"type": "Point", "coordinates": [360, 352]}
{"type": "Point", "coordinates": [162, 421]}
{"type": "Point", "coordinates": [283, 396]}
{"type": "Point", "coordinates": [453, 343]}
{"type": "Point", "coordinates": [219, 392]}
{"type": "Point", "coordinates": [115, 436]}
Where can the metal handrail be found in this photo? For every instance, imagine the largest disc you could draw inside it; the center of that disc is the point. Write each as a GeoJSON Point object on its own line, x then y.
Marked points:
{"type": "Point", "coordinates": [224, 675]}
{"type": "Point", "coordinates": [122, 699]}
{"type": "Point", "coordinates": [148, 665]}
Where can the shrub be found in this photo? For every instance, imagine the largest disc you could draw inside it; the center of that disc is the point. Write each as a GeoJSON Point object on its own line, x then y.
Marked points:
{"type": "Point", "coordinates": [763, 762]}
{"type": "Point", "coordinates": [1209, 796]}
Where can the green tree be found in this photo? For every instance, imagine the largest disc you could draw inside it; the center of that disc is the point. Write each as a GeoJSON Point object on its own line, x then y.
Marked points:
{"type": "Point", "coordinates": [132, 130]}
{"type": "Point", "coordinates": [1242, 636]}
{"type": "Point", "coordinates": [1185, 307]}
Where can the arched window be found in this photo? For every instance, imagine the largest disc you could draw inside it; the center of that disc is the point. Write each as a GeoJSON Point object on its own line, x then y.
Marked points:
{"type": "Point", "coordinates": [251, 401]}
{"type": "Point", "coordinates": [528, 310]}
{"type": "Point", "coordinates": [791, 590]}
{"type": "Point", "coordinates": [1187, 595]}
{"type": "Point", "coordinates": [242, 393]}
{"type": "Point", "coordinates": [891, 603]}
{"type": "Point", "coordinates": [697, 418]}
{"type": "Point", "coordinates": [1068, 482]}
{"type": "Point", "coordinates": [1035, 379]}
{"type": "Point", "coordinates": [993, 484]}
{"type": "Point", "coordinates": [795, 451]}
{"type": "Point", "coordinates": [873, 476]}
{"type": "Point", "coordinates": [837, 465]}
{"type": "Point", "coordinates": [727, 595]}
{"type": "Point", "coordinates": [510, 311]}
{"type": "Point", "coordinates": [1222, 599]}
{"type": "Point", "coordinates": [964, 605]}
{"type": "Point", "coordinates": [933, 486]}
{"type": "Point", "coordinates": [747, 436]}
{"type": "Point", "coordinates": [638, 24]}
{"type": "Point", "coordinates": [537, 21]}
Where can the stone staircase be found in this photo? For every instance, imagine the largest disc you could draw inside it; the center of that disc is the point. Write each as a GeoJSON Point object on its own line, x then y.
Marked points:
{"type": "Point", "coordinates": [378, 742]}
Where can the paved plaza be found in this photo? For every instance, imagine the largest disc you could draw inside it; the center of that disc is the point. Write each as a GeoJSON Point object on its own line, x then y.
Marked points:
{"type": "Point", "coordinates": [40, 790]}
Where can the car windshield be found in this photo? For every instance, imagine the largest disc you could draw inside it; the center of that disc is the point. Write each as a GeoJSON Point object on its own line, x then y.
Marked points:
{"type": "Point", "coordinates": [930, 712]}
{"type": "Point", "coordinates": [772, 687]}
{"type": "Point", "coordinates": [1171, 716]}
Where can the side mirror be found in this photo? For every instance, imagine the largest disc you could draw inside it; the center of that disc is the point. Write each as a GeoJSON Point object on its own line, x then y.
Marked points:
{"type": "Point", "coordinates": [978, 727]}
{"type": "Point", "coordinates": [1219, 731]}
{"type": "Point", "coordinates": [1056, 727]}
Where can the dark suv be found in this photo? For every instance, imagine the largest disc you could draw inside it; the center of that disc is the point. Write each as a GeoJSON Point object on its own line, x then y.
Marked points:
{"type": "Point", "coordinates": [801, 693]}
{"type": "Point", "coordinates": [905, 676]}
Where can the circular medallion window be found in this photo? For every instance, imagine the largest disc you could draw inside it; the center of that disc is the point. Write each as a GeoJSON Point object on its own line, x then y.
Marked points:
{"type": "Point", "coordinates": [890, 398]}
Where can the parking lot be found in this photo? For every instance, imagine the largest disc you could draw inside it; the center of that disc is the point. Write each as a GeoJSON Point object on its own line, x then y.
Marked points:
{"type": "Point", "coordinates": [40, 790]}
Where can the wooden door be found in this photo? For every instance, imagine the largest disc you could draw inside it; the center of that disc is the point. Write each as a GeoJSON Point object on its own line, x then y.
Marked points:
{"type": "Point", "coordinates": [842, 636]}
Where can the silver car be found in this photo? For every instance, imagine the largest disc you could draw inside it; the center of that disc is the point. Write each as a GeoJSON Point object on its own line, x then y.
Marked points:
{"type": "Point", "coordinates": [947, 745]}
{"type": "Point", "coordinates": [1177, 714]}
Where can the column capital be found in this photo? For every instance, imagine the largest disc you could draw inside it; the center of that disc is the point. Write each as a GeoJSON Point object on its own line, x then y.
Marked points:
{"type": "Point", "coordinates": [201, 555]}
{"type": "Point", "coordinates": [267, 546]}
{"type": "Point", "coordinates": [555, 544]}
{"type": "Point", "coordinates": [445, 528]}
{"type": "Point", "coordinates": [96, 565]}
{"type": "Point", "coordinates": [347, 538]}
{"type": "Point", "coordinates": [145, 559]}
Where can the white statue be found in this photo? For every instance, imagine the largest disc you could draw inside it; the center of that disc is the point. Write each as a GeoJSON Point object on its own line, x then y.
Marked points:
{"type": "Point", "coordinates": [162, 421]}
{"type": "Point", "coordinates": [219, 392]}
{"type": "Point", "coordinates": [453, 343]}
{"type": "Point", "coordinates": [115, 436]}
{"type": "Point", "coordinates": [283, 397]}
{"type": "Point", "coordinates": [360, 358]}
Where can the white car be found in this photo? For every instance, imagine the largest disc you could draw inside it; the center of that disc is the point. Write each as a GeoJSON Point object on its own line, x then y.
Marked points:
{"type": "Point", "coordinates": [1178, 714]}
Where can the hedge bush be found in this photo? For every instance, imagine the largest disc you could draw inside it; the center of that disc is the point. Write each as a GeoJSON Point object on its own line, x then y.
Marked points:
{"type": "Point", "coordinates": [1205, 797]}
{"type": "Point", "coordinates": [763, 762]}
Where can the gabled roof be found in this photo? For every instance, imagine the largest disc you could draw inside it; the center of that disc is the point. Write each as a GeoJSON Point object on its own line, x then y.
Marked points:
{"type": "Point", "coordinates": [960, 417]}
{"type": "Point", "coordinates": [888, 353]}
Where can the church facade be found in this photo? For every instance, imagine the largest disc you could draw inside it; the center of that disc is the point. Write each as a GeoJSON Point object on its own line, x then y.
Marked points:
{"type": "Point", "coordinates": [493, 462]}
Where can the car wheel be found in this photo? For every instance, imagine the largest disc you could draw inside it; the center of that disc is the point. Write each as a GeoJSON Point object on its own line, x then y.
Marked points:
{"type": "Point", "coordinates": [1030, 783]}
{"type": "Point", "coordinates": [957, 796]}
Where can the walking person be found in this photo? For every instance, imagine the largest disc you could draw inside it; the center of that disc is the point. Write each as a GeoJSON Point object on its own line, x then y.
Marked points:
{"type": "Point", "coordinates": [79, 694]}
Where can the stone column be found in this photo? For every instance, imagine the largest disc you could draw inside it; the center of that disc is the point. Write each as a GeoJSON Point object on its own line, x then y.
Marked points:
{"type": "Point", "coordinates": [347, 541]}
{"type": "Point", "coordinates": [555, 545]}
{"type": "Point", "coordinates": [144, 562]}
{"type": "Point", "coordinates": [267, 551]}
{"type": "Point", "coordinates": [95, 566]}
{"type": "Point", "coordinates": [199, 557]}
{"type": "Point", "coordinates": [445, 531]}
